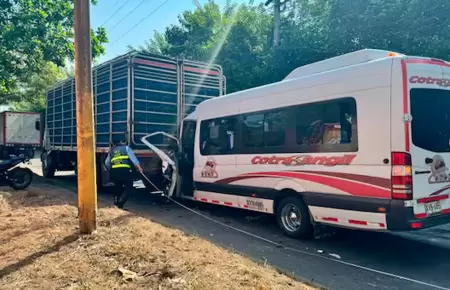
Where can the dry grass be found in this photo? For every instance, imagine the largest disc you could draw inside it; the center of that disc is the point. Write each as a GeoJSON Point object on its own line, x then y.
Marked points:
{"type": "Point", "coordinates": [40, 249]}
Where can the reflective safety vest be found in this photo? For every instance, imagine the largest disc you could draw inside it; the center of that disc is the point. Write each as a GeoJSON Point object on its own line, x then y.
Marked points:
{"type": "Point", "coordinates": [120, 158]}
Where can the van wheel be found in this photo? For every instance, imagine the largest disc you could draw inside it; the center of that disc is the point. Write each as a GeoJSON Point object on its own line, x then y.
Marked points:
{"type": "Point", "coordinates": [293, 218]}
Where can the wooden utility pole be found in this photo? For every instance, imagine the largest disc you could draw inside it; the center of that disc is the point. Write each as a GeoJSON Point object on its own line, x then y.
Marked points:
{"type": "Point", "coordinates": [87, 188]}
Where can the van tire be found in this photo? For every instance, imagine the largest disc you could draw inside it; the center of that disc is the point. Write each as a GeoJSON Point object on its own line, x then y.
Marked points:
{"type": "Point", "coordinates": [293, 218]}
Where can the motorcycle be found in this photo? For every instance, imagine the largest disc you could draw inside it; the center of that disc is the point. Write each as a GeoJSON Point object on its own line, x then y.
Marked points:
{"type": "Point", "coordinates": [15, 177]}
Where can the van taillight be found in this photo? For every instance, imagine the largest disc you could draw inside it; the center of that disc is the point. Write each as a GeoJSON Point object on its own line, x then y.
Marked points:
{"type": "Point", "coordinates": [401, 176]}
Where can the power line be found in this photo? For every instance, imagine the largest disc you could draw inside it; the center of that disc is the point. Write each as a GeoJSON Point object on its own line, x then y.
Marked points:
{"type": "Point", "coordinates": [123, 18]}
{"type": "Point", "coordinates": [115, 12]}
{"type": "Point", "coordinates": [115, 4]}
{"type": "Point", "coordinates": [140, 22]}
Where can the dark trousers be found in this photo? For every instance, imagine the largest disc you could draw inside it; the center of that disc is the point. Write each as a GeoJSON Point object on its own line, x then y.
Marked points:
{"type": "Point", "coordinates": [123, 185]}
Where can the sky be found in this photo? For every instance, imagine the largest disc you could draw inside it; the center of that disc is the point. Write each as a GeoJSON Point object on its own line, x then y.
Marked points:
{"type": "Point", "coordinates": [120, 16]}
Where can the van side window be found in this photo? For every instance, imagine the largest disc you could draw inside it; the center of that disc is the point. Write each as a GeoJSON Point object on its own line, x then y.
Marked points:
{"type": "Point", "coordinates": [253, 130]}
{"type": "Point", "coordinates": [275, 124]}
{"type": "Point", "coordinates": [217, 136]}
{"type": "Point", "coordinates": [264, 129]}
{"type": "Point", "coordinates": [327, 126]}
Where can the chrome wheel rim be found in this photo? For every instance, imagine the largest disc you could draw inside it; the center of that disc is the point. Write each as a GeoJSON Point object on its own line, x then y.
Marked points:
{"type": "Point", "coordinates": [291, 217]}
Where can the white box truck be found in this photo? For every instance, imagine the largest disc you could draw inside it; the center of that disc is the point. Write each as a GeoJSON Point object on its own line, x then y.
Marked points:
{"type": "Point", "coordinates": [19, 133]}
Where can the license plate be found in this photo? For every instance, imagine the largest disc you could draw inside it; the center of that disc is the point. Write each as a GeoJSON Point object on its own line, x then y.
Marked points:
{"type": "Point", "coordinates": [433, 208]}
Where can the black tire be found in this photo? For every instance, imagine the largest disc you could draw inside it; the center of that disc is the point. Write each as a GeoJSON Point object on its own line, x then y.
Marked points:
{"type": "Point", "coordinates": [20, 178]}
{"type": "Point", "coordinates": [293, 218]}
{"type": "Point", "coordinates": [48, 168]}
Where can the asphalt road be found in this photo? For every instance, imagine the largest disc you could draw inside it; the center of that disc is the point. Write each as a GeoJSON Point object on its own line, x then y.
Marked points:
{"type": "Point", "coordinates": [349, 260]}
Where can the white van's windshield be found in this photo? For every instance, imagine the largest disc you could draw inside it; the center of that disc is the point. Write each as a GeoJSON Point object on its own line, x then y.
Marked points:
{"type": "Point", "coordinates": [430, 110]}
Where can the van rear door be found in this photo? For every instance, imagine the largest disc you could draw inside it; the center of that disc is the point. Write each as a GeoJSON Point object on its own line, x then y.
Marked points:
{"type": "Point", "coordinates": [428, 85]}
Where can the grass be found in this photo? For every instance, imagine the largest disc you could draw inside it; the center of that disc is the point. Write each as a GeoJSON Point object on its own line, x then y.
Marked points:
{"type": "Point", "coordinates": [40, 249]}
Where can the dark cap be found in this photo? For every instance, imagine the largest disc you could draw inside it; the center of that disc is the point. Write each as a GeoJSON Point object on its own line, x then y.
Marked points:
{"type": "Point", "coordinates": [119, 139]}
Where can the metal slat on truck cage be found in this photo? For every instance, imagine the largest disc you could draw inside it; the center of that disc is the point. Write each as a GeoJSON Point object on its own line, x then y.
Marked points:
{"type": "Point", "coordinates": [136, 93]}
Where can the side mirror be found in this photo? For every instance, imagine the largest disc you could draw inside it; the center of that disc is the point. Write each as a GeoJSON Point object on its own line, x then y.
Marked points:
{"type": "Point", "coordinates": [37, 125]}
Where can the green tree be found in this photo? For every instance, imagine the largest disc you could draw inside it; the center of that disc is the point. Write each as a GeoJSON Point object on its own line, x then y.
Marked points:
{"type": "Point", "coordinates": [158, 45]}
{"type": "Point", "coordinates": [414, 27]}
{"type": "Point", "coordinates": [235, 37]}
{"type": "Point", "coordinates": [239, 37]}
{"type": "Point", "coordinates": [34, 93]}
{"type": "Point", "coordinates": [33, 33]}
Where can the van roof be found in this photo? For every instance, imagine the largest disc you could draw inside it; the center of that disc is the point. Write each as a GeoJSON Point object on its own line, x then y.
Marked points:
{"type": "Point", "coordinates": [321, 69]}
{"type": "Point", "coordinates": [348, 59]}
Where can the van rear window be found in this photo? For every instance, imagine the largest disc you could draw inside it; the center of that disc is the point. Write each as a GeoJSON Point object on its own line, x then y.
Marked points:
{"type": "Point", "coordinates": [430, 110]}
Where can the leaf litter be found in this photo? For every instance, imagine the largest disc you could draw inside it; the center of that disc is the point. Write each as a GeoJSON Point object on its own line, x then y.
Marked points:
{"type": "Point", "coordinates": [40, 249]}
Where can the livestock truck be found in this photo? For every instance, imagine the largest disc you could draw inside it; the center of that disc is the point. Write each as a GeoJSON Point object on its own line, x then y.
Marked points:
{"type": "Point", "coordinates": [19, 133]}
{"type": "Point", "coordinates": [134, 94]}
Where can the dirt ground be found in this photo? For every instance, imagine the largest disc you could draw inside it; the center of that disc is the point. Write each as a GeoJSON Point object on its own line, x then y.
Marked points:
{"type": "Point", "coordinates": [40, 249]}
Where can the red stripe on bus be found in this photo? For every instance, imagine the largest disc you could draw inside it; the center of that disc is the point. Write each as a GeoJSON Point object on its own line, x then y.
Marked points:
{"type": "Point", "coordinates": [446, 211]}
{"type": "Point", "coordinates": [330, 219]}
{"type": "Point", "coordinates": [424, 215]}
{"type": "Point", "coordinates": [373, 180]}
{"type": "Point", "coordinates": [447, 187]}
{"type": "Point", "coordinates": [354, 188]}
{"type": "Point", "coordinates": [432, 198]}
{"type": "Point", "coordinates": [356, 222]}
{"type": "Point", "coordinates": [428, 61]}
{"type": "Point", "coordinates": [421, 215]}
{"type": "Point", "coordinates": [241, 177]}
{"type": "Point", "coordinates": [377, 181]}
{"type": "Point", "coordinates": [405, 104]}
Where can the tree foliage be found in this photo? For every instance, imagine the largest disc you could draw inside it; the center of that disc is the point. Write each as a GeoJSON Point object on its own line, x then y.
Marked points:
{"type": "Point", "coordinates": [33, 33]}
{"type": "Point", "coordinates": [33, 93]}
{"type": "Point", "coordinates": [239, 37]}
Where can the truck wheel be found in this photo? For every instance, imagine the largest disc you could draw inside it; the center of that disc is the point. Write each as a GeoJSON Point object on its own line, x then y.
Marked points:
{"type": "Point", "coordinates": [293, 218]}
{"type": "Point", "coordinates": [30, 153]}
{"type": "Point", "coordinates": [48, 168]}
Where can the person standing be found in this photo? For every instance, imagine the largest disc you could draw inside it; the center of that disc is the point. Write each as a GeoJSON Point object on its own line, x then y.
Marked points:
{"type": "Point", "coordinates": [120, 163]}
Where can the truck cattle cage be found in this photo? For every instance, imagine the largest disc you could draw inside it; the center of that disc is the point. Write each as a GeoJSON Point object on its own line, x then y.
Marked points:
{"type": "Point", "coordinates": [134, 94]}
